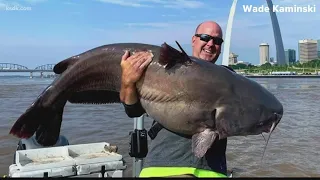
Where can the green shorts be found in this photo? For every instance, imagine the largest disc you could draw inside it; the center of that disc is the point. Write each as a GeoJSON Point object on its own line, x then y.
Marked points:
{"type": "Point", "coordinates": [175, 171]}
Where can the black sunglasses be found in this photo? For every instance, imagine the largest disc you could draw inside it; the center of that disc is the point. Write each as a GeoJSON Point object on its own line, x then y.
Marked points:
{"type": "Point", "coordinates": [207, 38]}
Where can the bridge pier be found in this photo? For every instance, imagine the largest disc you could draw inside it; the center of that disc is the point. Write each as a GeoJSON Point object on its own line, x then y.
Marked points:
{"type": "Point", "coordinates": [41, 74]}
{"type": "Point", "coordinates": [31, 75]}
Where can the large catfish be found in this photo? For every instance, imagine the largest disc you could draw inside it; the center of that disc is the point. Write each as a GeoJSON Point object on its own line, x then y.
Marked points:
{"type": "Point", "coordinates": [186, 95]}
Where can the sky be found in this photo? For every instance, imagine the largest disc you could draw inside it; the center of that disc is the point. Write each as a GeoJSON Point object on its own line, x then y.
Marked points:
{"type": "Point", "coordinates": [48, 31]}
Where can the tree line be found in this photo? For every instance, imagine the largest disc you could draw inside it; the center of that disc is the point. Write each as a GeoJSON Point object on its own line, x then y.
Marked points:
{"type": "Point", "coordinates": [309, 66]}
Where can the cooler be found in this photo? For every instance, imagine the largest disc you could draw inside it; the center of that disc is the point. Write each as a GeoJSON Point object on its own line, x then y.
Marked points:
{"type": "Point", "coordinates": [82, 160]}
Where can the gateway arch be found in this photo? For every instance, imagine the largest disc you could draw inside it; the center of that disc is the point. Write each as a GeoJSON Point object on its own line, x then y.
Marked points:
{"type": "Point", "coordinates": [276, 32]}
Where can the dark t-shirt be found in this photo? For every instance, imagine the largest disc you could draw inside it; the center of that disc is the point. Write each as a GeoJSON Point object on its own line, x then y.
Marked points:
{"type": "Point", "coordinates": [169, 149]}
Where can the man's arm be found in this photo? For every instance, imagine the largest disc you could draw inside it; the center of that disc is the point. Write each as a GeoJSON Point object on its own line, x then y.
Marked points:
{"type": "Point", "coordinates": [132, 69]}
{"type": "Point", "coordinates": [131, 102]}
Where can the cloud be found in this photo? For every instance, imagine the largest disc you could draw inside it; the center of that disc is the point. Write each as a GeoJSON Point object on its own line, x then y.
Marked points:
{"type": "Point", "coordinates": [99, 30]}
{"type": "Point", "coordinates": [70, 3]}
{"type": "Point", "coordinates": [184, 4]}
{"type": "Point", "coordinates": [154, 25]}
{"type": "Point", "coordinates": [169, 15]}
{"type": "Point", "coordinates": [130, 3]}
{"type": "Point", "coordinates": [150, 32]}
{"type": "Point", "coordinates": [249, 29]}
{"type": "Point", "coordinates": [296, 2]}
{"type": "Point", "coordinates": [153, 33]}
{"type": "Point", "coordinates": [35, 1]}
{"type": "Point", "coordinates": [11, 3]}
{"type": "Point", "coordinates": [291, 24]}
{"type": "Point", "coordinates": [159, 24]}
{"type": "Point", "coordinates": [6, 3]}
{"type": "Point", "coordinates": [181, 4]}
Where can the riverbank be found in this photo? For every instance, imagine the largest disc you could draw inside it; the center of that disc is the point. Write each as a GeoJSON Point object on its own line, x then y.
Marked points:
{"type": "Point", "coordinates": [282, 76]}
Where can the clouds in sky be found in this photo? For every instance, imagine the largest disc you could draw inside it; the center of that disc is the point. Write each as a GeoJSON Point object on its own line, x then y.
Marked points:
{"type": "Point", "coordinates": [83, 24]}
{"type": "Point", "coordinates": [155, 3]}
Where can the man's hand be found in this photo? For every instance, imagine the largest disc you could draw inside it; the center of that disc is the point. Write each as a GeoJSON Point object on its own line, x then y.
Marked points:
{"type": "Point", "coordinates": [133, 66]}
{"type": "Point", "coordinates": [132, 69]}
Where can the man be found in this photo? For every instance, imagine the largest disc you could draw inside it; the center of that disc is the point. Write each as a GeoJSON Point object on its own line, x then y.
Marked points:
{"type": "Point", "coordinates": [170, 154]}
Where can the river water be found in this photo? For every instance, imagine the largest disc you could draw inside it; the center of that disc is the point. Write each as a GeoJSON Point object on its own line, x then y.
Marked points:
{"type": "Point", "coordinates": [293, 149]}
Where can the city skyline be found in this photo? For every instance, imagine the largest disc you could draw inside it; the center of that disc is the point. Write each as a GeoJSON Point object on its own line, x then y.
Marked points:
{"type": "Point", "coordinates": [54, 30]}
{"type": "Point", "coordinates": [290, 54]}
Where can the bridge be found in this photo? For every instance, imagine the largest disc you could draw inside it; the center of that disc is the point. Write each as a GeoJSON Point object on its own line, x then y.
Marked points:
{"type": "Point", "coordinates": [10, 67]}
{"type": "Point", "coordinates": [17, 68]}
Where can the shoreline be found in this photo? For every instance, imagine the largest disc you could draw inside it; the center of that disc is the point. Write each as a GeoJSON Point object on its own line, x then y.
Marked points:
{"type": "Point", "coordinates": [282, 76]}
{"type": "Point", "coordinates": [248, 76]}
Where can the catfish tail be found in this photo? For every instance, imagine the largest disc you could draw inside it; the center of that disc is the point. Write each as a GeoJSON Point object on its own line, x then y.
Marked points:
{"type": "Point", "coordinates": [28, 122]}
{"type": "Point", "coordinates": [48, 131]}
{"type": "Point", "coordinates": [44, 121]}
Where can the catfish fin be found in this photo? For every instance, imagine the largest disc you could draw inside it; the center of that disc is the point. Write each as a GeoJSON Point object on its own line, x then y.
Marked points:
{"type": "Point", "coordinates": [29, 121]}
{"type": "Point", "coordinates": [94, 97]}
{"type": "Point", "coordinates": [48, 131]}
{"type": "Point", "coordinates": [44, 121]}
{"type": "Point", "coordinates": [63, 65]}
{"type": "Point", "coordinates": [181, 49]}
{"type": "Point", "coordinates": [202, 141]}
{"type": "Point", "coordinates": [169, 56]}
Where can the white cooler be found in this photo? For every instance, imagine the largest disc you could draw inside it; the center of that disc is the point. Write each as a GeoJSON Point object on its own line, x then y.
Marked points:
{"type": "Point", "coordinates": [82, 160]}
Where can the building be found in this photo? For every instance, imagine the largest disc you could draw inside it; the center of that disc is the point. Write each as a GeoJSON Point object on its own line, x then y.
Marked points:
{"type": "Point", "coordinates": [271, 60]}
{"type": "Point", "coordinates": [243, 62]}
{"type": "Point", "coordinates": [308, 50]}
{"type": "Point", "coordinates": [290, 55]}
{"type": "Point", "coordinates": [264, 53]}
{"type": "Point", "coordinates": [318, 43]}
{"type": "Point", "coordinates": [233, 59]}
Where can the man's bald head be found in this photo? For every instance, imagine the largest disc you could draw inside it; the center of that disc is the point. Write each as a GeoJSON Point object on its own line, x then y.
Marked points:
{"type": "Point", "coordinates": [208, 24]}
{"type": "Point", "coordinates": [209, 49]}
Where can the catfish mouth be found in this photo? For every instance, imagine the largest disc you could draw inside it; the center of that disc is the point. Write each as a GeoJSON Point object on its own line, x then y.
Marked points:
{"type": "Point", "coordinates": [267, 126]}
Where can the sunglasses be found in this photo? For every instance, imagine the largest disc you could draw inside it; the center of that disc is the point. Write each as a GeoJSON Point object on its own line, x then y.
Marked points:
{"type": "Point", "coordinates": [207, 38]}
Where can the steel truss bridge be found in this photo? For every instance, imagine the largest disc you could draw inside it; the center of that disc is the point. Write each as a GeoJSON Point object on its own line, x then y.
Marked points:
{"type": "Point", "coordinates": [17, 68]}
{"type": "Point", "coordinates": [10, 67]}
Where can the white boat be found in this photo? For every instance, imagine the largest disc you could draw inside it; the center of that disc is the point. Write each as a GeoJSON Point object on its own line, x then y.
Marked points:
{"type": "Point", "coordinates": [65, 160]}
